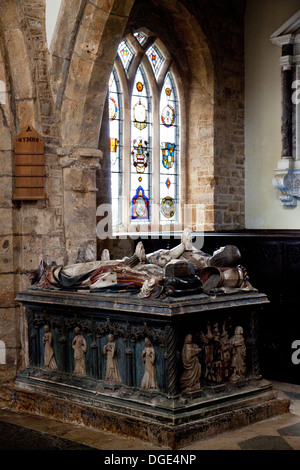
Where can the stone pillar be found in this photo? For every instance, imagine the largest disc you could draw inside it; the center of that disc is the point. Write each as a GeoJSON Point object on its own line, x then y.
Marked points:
{"type": "Point", "coordinates": [287, 173]}
{"type": "Point", "coordinates": [79, 206]}
{"type": "Point", "coordinates": [287, 104]}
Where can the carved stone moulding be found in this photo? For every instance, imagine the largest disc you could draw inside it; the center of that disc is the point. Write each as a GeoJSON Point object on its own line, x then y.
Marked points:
{"type": "Point", "coordinates": [288, 183]}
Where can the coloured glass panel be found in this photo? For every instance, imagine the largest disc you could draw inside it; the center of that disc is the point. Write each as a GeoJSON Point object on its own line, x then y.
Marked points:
{"type": "Point", "coordinates": [169, 151]}
{"type": "Point", "coordinates": [140, 205]}
{"type": "Point", "coordinates": [155, 58]}
{"type": "Point", "coordinates": [141, 37]}
{"type": "Point", "coordinates": [140, 144]}
{"type": "Point", "coordinates": [139, 124]}
{"type": "Point", "coordinates": [115, 146]}
{"type": "Point", "coordinates": [125, 54]}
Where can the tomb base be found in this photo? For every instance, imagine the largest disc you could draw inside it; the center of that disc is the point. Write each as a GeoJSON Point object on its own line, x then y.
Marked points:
{"type": "Point", "coordinates": [166, 415]}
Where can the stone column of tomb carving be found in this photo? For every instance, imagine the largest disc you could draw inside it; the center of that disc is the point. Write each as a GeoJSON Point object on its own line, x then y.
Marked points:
{"type": "Point", "coordinates": [129, 361]}
{"type": "Point", "coordinates": [172, 360]}
{"type": "Point", "coordinates": [252, 347]}
{"type": "Point", "coordinates": [100, 356]}
{"type": "Point", "coordinates": [37, 345]}
{"type": "Point", "coordinates": [94, 349]}
{"type": "Point", "coordinates": [63, 352]}
{"type": "Point", "coordinates": [31, 340]}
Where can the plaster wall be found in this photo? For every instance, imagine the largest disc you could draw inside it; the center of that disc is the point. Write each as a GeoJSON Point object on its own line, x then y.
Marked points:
{"type": "Point", "coordinates": [263, 209]}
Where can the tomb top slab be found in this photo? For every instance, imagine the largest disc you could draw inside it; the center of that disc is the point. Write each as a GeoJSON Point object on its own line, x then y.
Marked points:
{"type": "Point", "coordinates": [131, 303]}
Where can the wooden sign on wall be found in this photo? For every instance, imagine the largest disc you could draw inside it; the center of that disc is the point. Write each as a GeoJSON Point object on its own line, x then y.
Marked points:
{"type": "Point", "coordinates": [29, 166]}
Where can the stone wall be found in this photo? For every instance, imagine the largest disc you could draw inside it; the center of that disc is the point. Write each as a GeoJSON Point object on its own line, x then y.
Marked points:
{"type": "Point", "coordinates": [41, 89]}
{"type": "Point", "coordinates": [229, 152]}
{"type": "Point", "coordinates": [62, 94]}
{"type": "Point", "coordinates": [206, 40]}
{"type": "Point", "coordinates": [223, 26]}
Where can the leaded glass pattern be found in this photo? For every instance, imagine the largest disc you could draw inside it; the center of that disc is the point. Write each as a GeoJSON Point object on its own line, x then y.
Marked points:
{"type": "Point", "coordinates": [125, 54]}
{"type": "Point", "coordinates": [169, 156]}
{"type": "Point", "coordinates": [155, 58]}
{"type": "Point", "coordinates": [140, 165]}
{"type": "Point", "coordinates": [141, 37]}
{"type": "Point", "coordinates": [115, 146]}
{"type": "Point", "coordinates": [144, 138]}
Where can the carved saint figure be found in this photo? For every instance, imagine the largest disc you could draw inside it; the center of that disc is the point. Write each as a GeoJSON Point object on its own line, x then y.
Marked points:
{"type": "Point", "coordinates": [112, 368]}
{"type": "Point", "coordinates": [148, 356]}
{"type": "Point", "coordinates": [80, 348]}
{"type": "Point", "coordinates": [238, 364]}
{"type": "Point", "coordinates": [49, 359]}
{"type": "Point", "coordinates": [190, 379]}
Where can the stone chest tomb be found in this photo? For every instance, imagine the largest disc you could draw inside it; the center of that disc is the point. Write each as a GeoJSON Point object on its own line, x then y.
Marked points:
{"type": "Point", "coordinates": [169, 411]}
{"type": "Point", "coordinates": [162, 347]}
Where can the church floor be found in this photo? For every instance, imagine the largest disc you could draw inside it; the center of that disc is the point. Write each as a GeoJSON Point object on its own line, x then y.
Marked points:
{"type": "Point", "coordinates": [27, 432]}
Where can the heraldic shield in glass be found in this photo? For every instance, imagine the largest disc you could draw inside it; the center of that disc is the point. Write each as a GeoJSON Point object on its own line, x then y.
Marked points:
{"type": "Point", "coordinates": [140, 205]}
{"type": "Point", "coordinates": [169, 164]}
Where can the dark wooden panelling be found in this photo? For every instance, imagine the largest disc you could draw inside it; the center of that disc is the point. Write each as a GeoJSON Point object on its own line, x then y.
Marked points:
{"type": "Point", "coordinates": [272, 260]}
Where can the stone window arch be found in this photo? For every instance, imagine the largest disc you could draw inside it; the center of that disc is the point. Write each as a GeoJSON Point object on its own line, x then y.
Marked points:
{"type": "Point", "coordinates": [145, 125]}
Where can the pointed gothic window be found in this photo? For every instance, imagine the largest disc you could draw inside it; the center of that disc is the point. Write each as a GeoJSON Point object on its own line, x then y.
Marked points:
{"type": "Point", "coordinates": [115, 133]}
{"type": "Point", "coordinates": [144, 136]}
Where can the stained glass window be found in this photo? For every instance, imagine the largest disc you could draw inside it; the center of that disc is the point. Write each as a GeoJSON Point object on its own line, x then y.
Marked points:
{"type": "Point", "coordinates": [115, 136]}
{"type": "Point", "coordinates": [126, 54]}
{"type": "Point", "coordinates": [140, 178]}
{"type": "Point", "coordinates": [155, 58]}
{"type": "Point", "coordinates": [144, 138]}
{"type": "Point", "coordinates": [141, 37]}
{"type": "Point", "coordinates": [169, 158]}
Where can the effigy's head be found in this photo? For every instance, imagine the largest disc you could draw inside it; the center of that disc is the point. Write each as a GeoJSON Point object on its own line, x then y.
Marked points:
{"type": "Point", "coordinates": [226, 256]}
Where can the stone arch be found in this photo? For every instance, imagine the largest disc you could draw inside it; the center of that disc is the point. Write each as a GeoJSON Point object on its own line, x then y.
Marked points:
{"type": "Point", "coordinates": [178, 30]}
{"type": "Point", "coordinates": [81, 73]}
{"type": "Point", "coordinates": [20, 54]}
{"type": "Point", "coordinates": [86, 59]}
